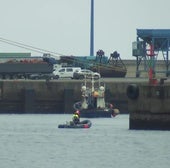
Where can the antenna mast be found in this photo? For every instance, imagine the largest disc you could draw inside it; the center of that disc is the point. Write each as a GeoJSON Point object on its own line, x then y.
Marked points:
{"type": "Point", "coordinates": [92, 29]}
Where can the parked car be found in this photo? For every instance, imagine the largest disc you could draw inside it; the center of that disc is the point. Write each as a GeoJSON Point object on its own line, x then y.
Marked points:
{"type": "Point", "coordinates": [86, 73]}
{"type": "Point", "coordinates": [42, 76]}
{"type": "Point", "coordinates": [65, 72]}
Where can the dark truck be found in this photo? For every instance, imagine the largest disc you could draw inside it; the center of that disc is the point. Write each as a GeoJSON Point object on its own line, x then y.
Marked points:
{"type": "Point", "coordinates": [24, 68]}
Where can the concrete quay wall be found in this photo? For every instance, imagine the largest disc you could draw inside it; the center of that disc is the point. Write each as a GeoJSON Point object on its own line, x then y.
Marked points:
{"type": "Point", "coordinates": [150, 109]}
{"type": "Point", "coordinates": [56, 96]}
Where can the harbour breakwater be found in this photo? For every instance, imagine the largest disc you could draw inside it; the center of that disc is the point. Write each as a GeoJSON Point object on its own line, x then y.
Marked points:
{"type": "Point", "coordinates": [57, 96]}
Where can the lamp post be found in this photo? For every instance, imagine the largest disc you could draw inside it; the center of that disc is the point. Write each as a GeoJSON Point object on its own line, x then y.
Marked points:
{"type": "Point", "coordinates": [92, 29]}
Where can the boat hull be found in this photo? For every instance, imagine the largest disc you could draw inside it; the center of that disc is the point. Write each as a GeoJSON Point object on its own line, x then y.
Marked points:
{"type": "Point", "coordinates": [82, 124]}
{"type": "Point", "coordinates": [96, 113]}
{"type": "Point", "coordinates": [106, 71]}
{"type": "Point", "coordinates": [112, 73]}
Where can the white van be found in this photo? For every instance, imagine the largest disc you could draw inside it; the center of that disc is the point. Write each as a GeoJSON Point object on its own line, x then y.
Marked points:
{"type": "Point", "coordinates": [65, 72]}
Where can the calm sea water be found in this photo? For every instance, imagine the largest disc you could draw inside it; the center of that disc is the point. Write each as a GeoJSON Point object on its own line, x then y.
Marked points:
{"type": "Point", "coordinates": [34, 141]}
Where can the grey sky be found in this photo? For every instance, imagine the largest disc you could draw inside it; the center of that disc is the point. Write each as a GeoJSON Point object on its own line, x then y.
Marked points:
{"type": "Point", "coordinates": [63, 26]}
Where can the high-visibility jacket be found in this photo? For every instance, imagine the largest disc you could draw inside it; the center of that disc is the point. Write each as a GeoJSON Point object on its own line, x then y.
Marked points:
{"type": "Point", "coordinates": [76, 119]}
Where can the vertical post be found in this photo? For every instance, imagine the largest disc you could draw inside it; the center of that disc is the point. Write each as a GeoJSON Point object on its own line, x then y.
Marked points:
{"type": "Point", "coordinates": [151, 54]}
{"type": "Point", "coordinates": [29, 101]}
{"type": "Point", "coordinates": [167, 59]}
{"type": "Point", "coordinates": [68, 100]}
{"type": "Point", "coordinates": [151, 66]}
{"type": "Point", "coordinates": [92, 29]}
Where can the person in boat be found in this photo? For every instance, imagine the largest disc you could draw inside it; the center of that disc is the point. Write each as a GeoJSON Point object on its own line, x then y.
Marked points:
{"type": "Point", "coordinates": [114, 111]}
{"type": "Point", "coordinates": [111, 106]}
{"type": "Point", "coordinates": [76, 117]}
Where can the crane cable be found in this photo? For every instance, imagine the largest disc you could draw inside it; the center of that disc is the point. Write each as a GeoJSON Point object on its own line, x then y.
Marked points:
{"type": "Point", "coordinates": [29, 47]}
